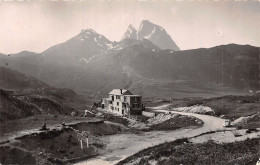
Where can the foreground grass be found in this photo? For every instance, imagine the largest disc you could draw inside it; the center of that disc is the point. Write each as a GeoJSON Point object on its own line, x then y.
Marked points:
{"type": "Point", "coordinates": [58, 146]}
{"type": "Point", "coordinates": [183, 152]}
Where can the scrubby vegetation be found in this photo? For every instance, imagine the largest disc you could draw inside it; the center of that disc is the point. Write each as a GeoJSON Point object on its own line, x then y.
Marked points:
{"type": "Point", "coordinates": [152, 102]}
{"type": "Point", "coordinates": [183, 152]}
{"type": "Point", "coordinates": [177, 123]}
{"type": "Point", "coordinates": [56, 146]}
{"type": "Point", "coordinates": [234, 106]}
{"type": "Point", "coordinates": [116, 119]}
{"type": "Point", "coordinates": [16, 107]}
{"type": "Point", "coordinates": [22, 96]}
{"type": "Point", "coordinates": [31, 102]}
{"type": "Point", "coordinates": [250, 122]}
{"type": "Point", "coordinates": [13, 155]}
{"type": "Point", "coordinates": [59, 146]}
{"type": "Point", "coordinates": [230, 107]}
{"type": "Point", "coordinates": [100, 128]}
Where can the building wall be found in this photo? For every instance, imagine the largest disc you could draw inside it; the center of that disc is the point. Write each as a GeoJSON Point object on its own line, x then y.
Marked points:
{"type": "Point", "coordinates": [136, 104]}
{"type": "Point", "coordinates": [117, 104]}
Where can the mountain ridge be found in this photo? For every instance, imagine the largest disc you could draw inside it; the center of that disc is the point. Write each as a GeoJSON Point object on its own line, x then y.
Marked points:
{"type": "Point", "coordinates": [91, 64]}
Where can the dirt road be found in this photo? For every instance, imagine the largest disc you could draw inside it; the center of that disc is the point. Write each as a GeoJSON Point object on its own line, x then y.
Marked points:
{"type": "Point", "coordinates": [124, 145]}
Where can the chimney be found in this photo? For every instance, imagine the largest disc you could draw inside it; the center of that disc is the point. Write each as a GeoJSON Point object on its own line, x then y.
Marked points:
{"type": "Point", "coordinates": [121, 90]}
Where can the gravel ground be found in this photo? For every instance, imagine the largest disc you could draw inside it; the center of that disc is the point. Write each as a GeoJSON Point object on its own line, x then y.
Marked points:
{"type": "Point", "coordinates": [124, 145]}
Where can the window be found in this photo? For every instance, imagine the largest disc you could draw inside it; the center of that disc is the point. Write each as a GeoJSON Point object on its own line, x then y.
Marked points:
{"type": "Point", "coordinates": [135, 105]}
{"type": "Point", "coordinates": [112, 107]}
{"type": "Point", "coordinates": [117, 103]}
{"type": "Point", "coordinates": [136, 98]}
{"type": "Point", "coordinates": [117, 97]}
{"type": "Point", "coordinates": [110, 102]}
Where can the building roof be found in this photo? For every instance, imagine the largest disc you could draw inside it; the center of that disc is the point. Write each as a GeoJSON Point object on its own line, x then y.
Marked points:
{"type": "Point", "coordinates": [118, 92]}
{"type": "Point", "coordinates": [134, 95]}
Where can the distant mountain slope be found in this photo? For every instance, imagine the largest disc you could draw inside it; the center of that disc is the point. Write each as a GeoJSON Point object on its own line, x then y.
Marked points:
{"type": "Point", "coordinates": [215, 71]}
{"type": "Point", "coordinates": [99, 71]}
{"type": "Point", "coordinates": [13, 80]}
{"type": "Point", "coordinates": [87, 44]}
{"type": "Point", "coordinates": [22, 96]}
{"type": "Point", "coordinates": [235, 65]}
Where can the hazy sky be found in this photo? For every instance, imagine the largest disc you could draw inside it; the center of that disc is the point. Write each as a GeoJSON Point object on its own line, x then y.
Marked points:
{"type": "Point", "coordinates": [37, 25]}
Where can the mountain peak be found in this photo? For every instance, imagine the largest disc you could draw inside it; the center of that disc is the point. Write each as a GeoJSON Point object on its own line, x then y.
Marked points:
{"type": "Point", "coordinates": [152, 32]}
{"type": "Point", "coordinates": [131, 27]}
{"type": "Point", "coordinates": [88, 31]}
{"type": "Point", "coordinates": [130, 33]}
{"type": "Point", "coordinates": [156, 34]}
{"type": "Point", "coordinates": [146, 22]}
{"type": "Point", "coordinates": [149, 25]}
{"type": "Point", "coordinates": [91, 34]}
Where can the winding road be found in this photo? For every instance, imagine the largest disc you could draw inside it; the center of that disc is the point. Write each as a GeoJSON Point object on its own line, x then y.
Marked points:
{"type": "Point", "coordinates": [122, 146]}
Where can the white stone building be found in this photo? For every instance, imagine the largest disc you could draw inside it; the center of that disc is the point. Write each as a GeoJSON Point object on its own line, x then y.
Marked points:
{"type": "Point", "coordinates": [122, 102]}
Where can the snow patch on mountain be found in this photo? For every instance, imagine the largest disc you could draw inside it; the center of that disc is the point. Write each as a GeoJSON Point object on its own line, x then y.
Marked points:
{"type": "Point", "coordinates": [150, 35]}
{"type": "Point", "coordinates": [98, 41]}
{"type": "Point", "coordinates": [87, 60]}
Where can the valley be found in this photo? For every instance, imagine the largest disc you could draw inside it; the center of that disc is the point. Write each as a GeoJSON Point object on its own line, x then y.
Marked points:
{"type": "Point", "coordinates": [115, 139]}
{"type": "Point", "coordinates": [48, 99]}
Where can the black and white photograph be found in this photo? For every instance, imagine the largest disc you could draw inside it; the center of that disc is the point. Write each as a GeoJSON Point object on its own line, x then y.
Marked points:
{"type": "Point", "coordinates": [130, 82]}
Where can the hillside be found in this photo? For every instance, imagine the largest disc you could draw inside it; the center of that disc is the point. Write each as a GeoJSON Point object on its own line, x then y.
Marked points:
{"type": "Point", "coordinates": [27, 96]}
{"type": "Point", "coordinates": [234, 65]}
{"type": "Point", "coordinates": [14, 80]}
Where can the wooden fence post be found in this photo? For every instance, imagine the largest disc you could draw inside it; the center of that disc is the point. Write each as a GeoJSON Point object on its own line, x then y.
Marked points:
{"type": "Point", "coordinates": [81, 144]}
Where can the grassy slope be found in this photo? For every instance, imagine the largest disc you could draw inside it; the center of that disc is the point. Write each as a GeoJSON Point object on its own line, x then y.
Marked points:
{"type": "Point", "coordinates": [177, 123]}
{"type": "Point", "coordinates": [182, 152]}
{"type": "Point", "coordinates": [32, 97]}
{"type": "Point", "coordinates": [35, 122]}
{"type": "Point", "coordinates": [16, 107]}
{"type": "Point", "coordinates": [232, 107]}
{"type": "Point", "coordinates": [61, 146]}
